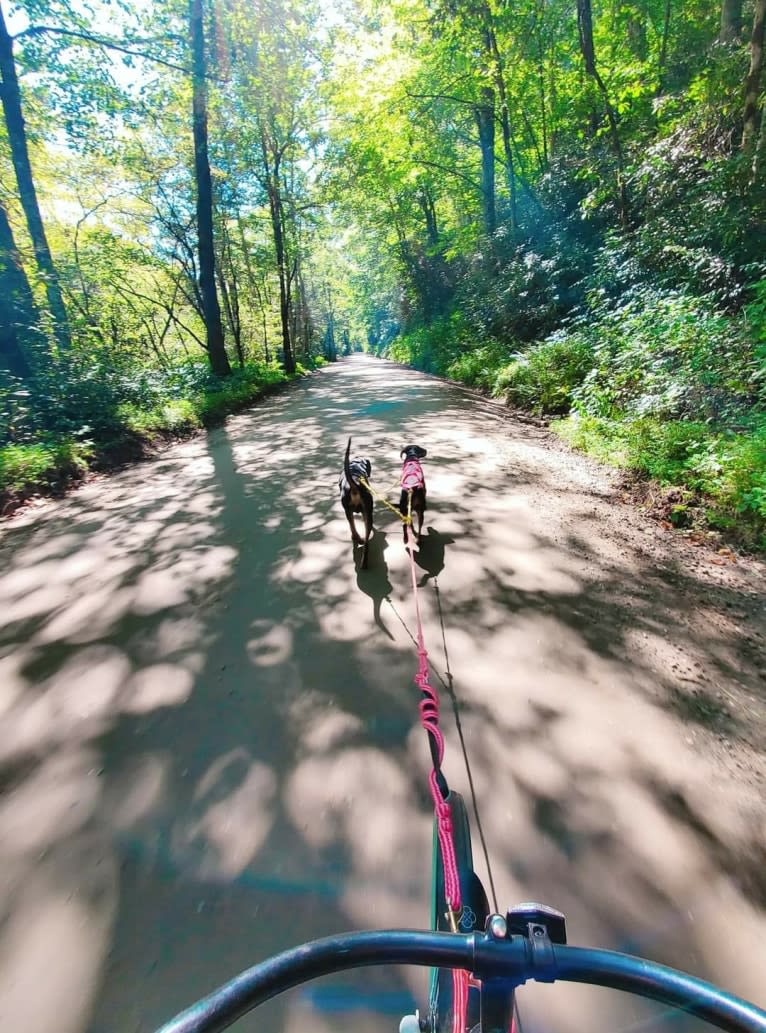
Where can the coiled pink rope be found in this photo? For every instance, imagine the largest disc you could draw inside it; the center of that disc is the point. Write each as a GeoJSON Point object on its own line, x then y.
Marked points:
{"type": "Point", "coordinates": [429, 718]}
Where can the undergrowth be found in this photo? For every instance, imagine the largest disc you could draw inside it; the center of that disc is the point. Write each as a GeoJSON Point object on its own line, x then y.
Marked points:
{"type": "Point", "coordinates": [659, 382]}
{"type": "Point", "coordinates": [725, 470]}
{"type": "Point", "coordinates": [51, 441]}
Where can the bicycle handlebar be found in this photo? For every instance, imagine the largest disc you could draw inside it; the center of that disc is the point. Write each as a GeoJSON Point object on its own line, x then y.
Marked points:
{"type": "Point", "coordinates": [514, 959]}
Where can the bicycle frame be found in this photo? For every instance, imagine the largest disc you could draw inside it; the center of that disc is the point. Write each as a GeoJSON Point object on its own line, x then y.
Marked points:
{"type": "Point", "coordinates": [505, 962]}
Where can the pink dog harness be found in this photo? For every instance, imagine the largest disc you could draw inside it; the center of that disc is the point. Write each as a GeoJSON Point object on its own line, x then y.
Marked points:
{"type": "Point", "coordinates": [412, 475]}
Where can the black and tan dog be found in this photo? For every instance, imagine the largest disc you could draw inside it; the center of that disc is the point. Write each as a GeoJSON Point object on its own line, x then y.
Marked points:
{"type": "Point", "coordinates": [413, 482]}
{"type": "Point", "coordinates": [356, 498]}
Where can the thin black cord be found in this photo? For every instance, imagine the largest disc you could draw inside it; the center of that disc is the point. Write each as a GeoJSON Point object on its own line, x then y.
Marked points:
{"type": "Point", "coordinates": [456, 711]}
{"type": "Point", "coordinates": [453, 697]}
{"type": "Point", "coordinates": [448, 685]}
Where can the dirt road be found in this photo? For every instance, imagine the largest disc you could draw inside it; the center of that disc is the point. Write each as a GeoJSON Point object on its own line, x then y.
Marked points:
{"type": "Point", "coordinates": [209, 740]}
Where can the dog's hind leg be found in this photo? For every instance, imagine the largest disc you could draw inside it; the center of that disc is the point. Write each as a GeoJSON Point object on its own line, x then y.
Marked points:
{"type": "Point", "coordinates": [355, 538]}
{"type": "Point", "coordinates": [367, 532]}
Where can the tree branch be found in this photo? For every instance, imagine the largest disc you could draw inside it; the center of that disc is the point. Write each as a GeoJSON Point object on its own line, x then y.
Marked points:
{"type": "Point", "coordinates": [101, 41]}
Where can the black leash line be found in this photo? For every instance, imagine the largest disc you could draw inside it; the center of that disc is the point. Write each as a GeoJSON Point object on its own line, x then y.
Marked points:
{"type": "Point", "coordinates": [448, 684]}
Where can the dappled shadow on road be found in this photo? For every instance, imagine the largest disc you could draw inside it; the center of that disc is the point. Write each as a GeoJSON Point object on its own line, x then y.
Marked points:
{"type": "Point", "coordinates": [208, 711]}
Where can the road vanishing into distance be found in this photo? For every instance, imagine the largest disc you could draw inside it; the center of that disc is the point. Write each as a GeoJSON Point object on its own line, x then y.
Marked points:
{"type": "Point", "coordinates": [209, 739]}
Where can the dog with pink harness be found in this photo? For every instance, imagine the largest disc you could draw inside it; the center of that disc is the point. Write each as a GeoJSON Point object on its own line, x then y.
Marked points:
{"type": "Point", "coordinates": [412, 501]}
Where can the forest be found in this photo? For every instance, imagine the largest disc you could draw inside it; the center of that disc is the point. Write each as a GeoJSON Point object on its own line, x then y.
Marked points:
{"type": "Point", "coordinates": [561, 203]}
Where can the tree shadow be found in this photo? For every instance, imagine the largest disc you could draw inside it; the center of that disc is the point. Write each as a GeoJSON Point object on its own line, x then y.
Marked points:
{"type": "Point", "coordinates": [220, 752]}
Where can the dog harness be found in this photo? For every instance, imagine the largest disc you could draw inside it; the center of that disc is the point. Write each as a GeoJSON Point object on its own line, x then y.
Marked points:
{"type": "Point", "coordinates": [412, 475]}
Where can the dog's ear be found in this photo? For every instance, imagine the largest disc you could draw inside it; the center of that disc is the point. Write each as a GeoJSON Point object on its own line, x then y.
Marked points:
{"type": "Point", "coordinates": [421, 452]}
{"type": "Point", "coordinates": [403, 452]}
{"type": "Point", "coordinates": [368, 467]}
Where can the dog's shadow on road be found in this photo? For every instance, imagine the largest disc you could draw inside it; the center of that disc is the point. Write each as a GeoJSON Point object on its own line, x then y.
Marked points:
{"type": "Point", "coordinates": [430, 555]}
{"type": "Point", "coordinates": [374, 580]}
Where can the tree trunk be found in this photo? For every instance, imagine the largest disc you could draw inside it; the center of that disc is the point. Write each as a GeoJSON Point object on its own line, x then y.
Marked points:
{"type": "Point", "coordinates": [262, 301]}
{"type": "Point", "coordinates": [263, 305]}
{"type": "Point", "coordinates": [663, 59]}
{"type": "Point", "coordinates": [231, 310]}
{"type": "Point", "coordinates": [330, 350]}
{"type": "Point", "coordinates": [271, 165]}
{"type": "Point", "coordinates": [759, 154]}
{"type": "Point", "coordinates": [585, 28]}
{"type": "Point", "coordinates": [227, 277]}
{"type": "Point", "coordinates": [485, 119]}
{"type": "Point", "coordinates": [490, 44]}
{"type": "Point", "coordinates": [731, 21]}
{"type": "Point", "coordinates": [541, 86]}
{"type": "Point", "coordinates": [753, 80]}
{"type": "Point", "coordinates": [426, 202]}
{"type": "Point", "coordinates": [307, 326]}
{"type": "Point", "coordinates": [275, 208]}
{"type": "Point", "coordinates": [219, 360]}
{"type": "Point", "coordinates": [10, 94]}
{"type": "Point", "coordinates": [17, 313]}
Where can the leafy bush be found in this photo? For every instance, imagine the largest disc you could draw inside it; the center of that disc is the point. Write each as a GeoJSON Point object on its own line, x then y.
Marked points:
{"type": "Point", "coordinates": [225, 395]}
{"type": "Point", "coordinates": [176, 414]}
{"type": "Point", "coordinates": [667, 355]}
{"type": "Point", "coordinates": [699, 231]}
{"type": "Point", "coordinates": [27, 466]}
{"type": "Point", "coordinates": [544, 377]}
{"type": "Point", "coordinates": [435, 347]}
{"type": "Point", "coordinates": [480, 367]}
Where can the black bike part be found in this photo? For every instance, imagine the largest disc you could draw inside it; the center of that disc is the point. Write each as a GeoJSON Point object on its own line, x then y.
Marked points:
{"type": "Point", "coordinates": [522, 916]}
{"type": "Point", "coordinates": [486, 957]}
{"type": "Point", "coordinates": [473, 916]}
{"type": "Point", "coordinates": [496, 1003]}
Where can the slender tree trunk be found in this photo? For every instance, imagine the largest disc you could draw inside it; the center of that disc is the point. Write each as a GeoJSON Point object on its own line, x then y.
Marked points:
{"type": "Point", "coordinates": [219, 360]}
{"type": "Point", "coordinates": [753, 80]}
{"type": "Point", "coordinates": [253, 283]}
{"type": "Point", "coordinates": [275, 208]}
{"type": "Point", "coordinates": [663, 59]}
{"type": "Point", "coordinates": [307, 328]}
{"type": "Point", "coordinates": [485, 119]}
{"type": "Point", "coordinates": [330, 350]}
{"type": "Point", "coordinates": [271, 164]}
{"type": "Point", "coordinates": [295, 316]}
{"type": "Point", "coordinates": [227, 276]}
{"type": "Point", "coordinates": [10, 94]}
{"type": "Point", "coordinates": [490, 43]}
{"type": "Point", "coordinates": [236, 319]}
{"type": "Point", "coordinates": [231, 310]}
{"type": "Point", "coordinates": [263, 305]}
{"type": "Point", "coordinates": [543, 110]}
{"type": "Point", "coordinates": [731, 21]}
{"type": "Point", "coordinates": [585, 27]}
{"type": "Point", "coordinates": [426, 202]}
{"type": "Point", "coordinates": [18, 317]}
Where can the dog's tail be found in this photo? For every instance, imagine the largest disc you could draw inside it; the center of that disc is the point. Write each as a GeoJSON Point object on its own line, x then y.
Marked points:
{"type": "Point", "coordinates": [347, 466]}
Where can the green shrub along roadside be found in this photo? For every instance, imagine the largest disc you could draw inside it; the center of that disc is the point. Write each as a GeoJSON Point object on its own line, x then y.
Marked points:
{"type": "Point", "coordinates": [48, 440]}
{"type": "Point", "coordinates": [661, 383]}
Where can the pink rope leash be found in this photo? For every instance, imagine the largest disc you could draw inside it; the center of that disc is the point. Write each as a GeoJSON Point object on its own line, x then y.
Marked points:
{"type": "Point", "coordinates": [429, 718]}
